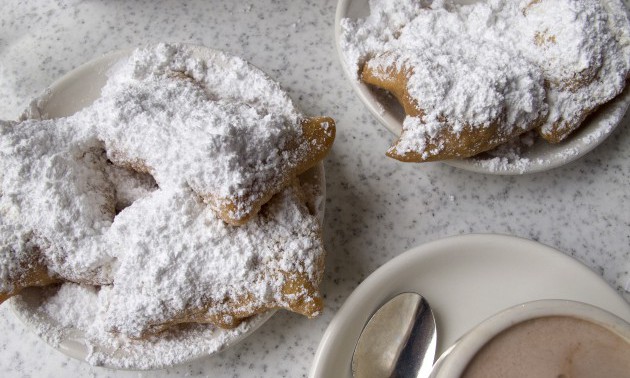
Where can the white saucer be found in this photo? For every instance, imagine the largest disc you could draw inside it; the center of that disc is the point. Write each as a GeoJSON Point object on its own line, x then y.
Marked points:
{"type": "Point", "coordinates": [465, 279]}
{"type": "Point", "coordinates": [71, 93]}
{"type": "Point", "coordinates": [541, 156]}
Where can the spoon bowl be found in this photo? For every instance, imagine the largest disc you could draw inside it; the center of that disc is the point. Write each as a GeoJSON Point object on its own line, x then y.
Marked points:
{"type": "Point", "coordinates": [399, 340]}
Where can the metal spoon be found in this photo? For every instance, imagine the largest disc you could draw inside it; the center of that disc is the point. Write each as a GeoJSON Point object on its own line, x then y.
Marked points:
{"type": "Point", "coordinates": [399, 340]}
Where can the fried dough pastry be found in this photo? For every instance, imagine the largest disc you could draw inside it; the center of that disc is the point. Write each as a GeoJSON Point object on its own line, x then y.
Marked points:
{"type": "Point", "coordinates": [233, 152]}
{"type": "Point", "coordinates": [196, 268]}
{"type": "Point", "coordinates": [318, 135]}
{"type": "Point", "coordinates": [584, 53]}
{"type": "Point", "coordinates": [456, 102]}
{"type": "Point", "coordinates": [55, 204]}
{"type": "Point", "coordinates": [58, 196]}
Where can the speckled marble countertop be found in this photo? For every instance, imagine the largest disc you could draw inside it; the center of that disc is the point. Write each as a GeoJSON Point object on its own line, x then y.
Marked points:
{"type": "Point", "coordinates": [376, 207]}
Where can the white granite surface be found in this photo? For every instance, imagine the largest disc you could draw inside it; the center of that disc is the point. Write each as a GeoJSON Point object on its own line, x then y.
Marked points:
{"type": "Point", "coordinates": [376, 207]}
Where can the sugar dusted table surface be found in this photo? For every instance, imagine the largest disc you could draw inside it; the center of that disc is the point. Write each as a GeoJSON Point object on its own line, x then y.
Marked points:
{"type": "Point", "coordinates": [376, 207]}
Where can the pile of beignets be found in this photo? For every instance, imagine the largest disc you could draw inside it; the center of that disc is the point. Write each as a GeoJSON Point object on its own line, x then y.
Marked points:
{"type": "Point", "coordinates": [474, 75]}
{"type": "Point", "coordinates": [177, 193]}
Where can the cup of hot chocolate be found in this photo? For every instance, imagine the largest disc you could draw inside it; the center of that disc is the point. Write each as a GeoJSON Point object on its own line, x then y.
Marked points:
{"type": "Point", "coordinates": [545, 338]}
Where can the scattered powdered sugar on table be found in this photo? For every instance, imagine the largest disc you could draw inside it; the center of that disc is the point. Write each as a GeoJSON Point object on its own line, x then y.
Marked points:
{"type": "Point", "coordinates": [508, 155]}
{"type": "Point", "coordinates": [150, 234]}
{"type": "Point", "coordinates": [581, 48]}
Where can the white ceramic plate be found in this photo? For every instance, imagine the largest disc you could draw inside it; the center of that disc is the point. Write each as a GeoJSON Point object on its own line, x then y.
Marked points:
{"type": "Point", "coordinates": [541, 156]}
{"type": "Point", "coordinates": [74, 91]}
{"type": "Point", "coordinates": [465, 279]}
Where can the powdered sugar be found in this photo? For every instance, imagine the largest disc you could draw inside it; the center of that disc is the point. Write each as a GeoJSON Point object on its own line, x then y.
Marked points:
{"type": "Point", "coordinates": [69, 315]}
{"type": "Point", "coordinates": [166, 265]}
{"type": "Point", "coordinates": [189, 258]}
{"type": "Point", "coordinates": [527, 154]}
{"type": "Point", "coordinates": [167, 111]}
{"type": "Point", "coordinates": [578, 47]}
{"type": "Point", "coordinates": [55, 196]}
{"type": "Point", "coordinates": [161, 245]}
{"type": "Point", "coordinates": [464, 88]}
{"type": "Point", "coordinates": [565, 42]}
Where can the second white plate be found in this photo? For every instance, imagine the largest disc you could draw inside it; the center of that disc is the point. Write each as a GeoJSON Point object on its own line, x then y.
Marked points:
{"type": "Point", "coordinates": [541, 156]}
{"type": "Point", "coordinates": [465, 279]}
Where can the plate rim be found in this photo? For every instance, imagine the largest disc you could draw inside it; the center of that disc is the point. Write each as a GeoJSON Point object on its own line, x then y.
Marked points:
{"type": "Point", "coordinates": [424, 251]}
{"type": "Point", "coordinates": [101, 65]}
{"type": "Point", "coordinates": [607, 125]}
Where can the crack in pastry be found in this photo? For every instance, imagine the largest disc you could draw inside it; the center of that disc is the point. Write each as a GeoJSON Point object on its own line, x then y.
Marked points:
{"type": "Point", "coordinates": [28, 270]}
